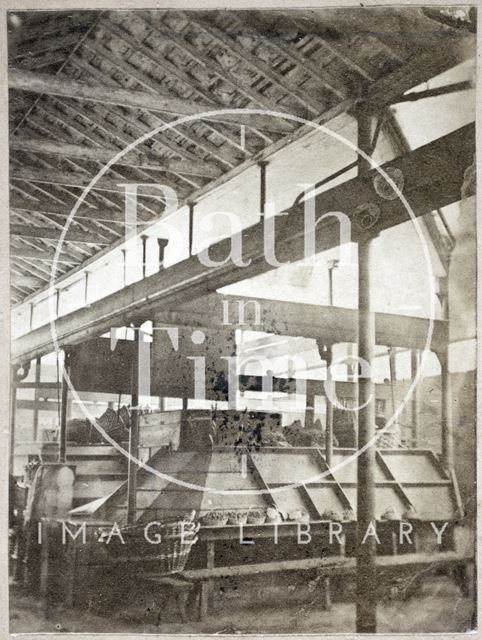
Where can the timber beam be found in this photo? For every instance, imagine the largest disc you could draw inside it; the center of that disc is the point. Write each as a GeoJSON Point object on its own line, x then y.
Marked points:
{"type": "Point", "coordinates": [105, 154]}
{"type": "Point", "coordinates": [43, 83]}
{"type": "Point", "coordinates": [333, 324]}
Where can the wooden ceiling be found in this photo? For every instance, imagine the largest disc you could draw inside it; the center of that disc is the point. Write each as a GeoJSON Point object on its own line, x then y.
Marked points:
{"type": "Point", "coordinates": [83, 85]}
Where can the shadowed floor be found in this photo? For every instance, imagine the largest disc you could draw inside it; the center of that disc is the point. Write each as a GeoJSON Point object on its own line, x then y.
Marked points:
{"type": "Point", "coordinates": [438, 608]}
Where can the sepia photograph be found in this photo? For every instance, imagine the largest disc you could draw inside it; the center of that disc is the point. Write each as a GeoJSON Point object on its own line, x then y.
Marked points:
{"type": "Point", "coordinates": [242, 257]}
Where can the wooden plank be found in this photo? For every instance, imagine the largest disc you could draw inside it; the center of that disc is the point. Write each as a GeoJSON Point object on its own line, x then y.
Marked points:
{"type": "Point", "coordinates": [47, 44]}
{"type": "Point", "coordinates": [26, 281]}
{"type": "Point", "coordinates": [65, 23]}
{"type": "Point", "coordinates": [105, 154]}
{"type": "Point", "coordinates": [326, 565]}
{"type": "Point", "coordinates": [433, 178]}
{"type": "Point", "coordinates": [269, 567]}
{"type": "Point", "coordinates": [32, 82]}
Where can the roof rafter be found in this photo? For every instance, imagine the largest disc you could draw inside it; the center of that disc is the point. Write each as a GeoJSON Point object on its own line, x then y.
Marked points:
{"type": "Point", "coordinates": [147, 82]}
{"type": "Point", "coordinates": [246, 22]}
{"type": "Point", "coordinates": [180, 130]}
{"type": "Point", "coordinates": [175, 71]}
{"type": "Point", "coordinates": [261, 67]}
{"type": "Point", "coordinates": [343, 57]}
{"type": "Point", "coordinates": [236, 82]}
{"type": "Point", "coordinates": [78, 166]}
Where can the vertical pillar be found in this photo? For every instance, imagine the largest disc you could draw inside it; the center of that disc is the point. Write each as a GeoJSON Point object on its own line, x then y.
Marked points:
{"type": "Point", "coordinates": [86, 288]}
{"type": "Point", "coordinates": [332, 264]}
{"type": "Point", "coordinates": [63, 409]}
{"type": "Point", "coordinates": [415, 404]}
{"type": "Point", "coordinates": [442, 293]}
{"type": "Point", "coordinates": [329, 411]}
{"type": "Point", "coordinates": [144, 255]}
{"type": "Point", "coordinates": [447, 426]}
{"type": "Point", "coordinates": [393, 374]}
{"type": "Point", "coordinates": [36, 398]}
{"type": "Point", "coordinates": [310, 404]}
{"type": "Point", "coordinates": [262, 186]}
{"type": "Point", "coordinates": [18, 374]}
{"type": "Point", "coordinates": [124, 267]}
{"type": "Point", "coordinates": [366, 552]}
{"type": "Point", "coordinates": [162, 244]}
{"type": "Point", "coordinates": [446, 391]}
{"type": "Point", "coordinates": [191, 226]}
{"type": "Point", "coordinates": [133, 434]}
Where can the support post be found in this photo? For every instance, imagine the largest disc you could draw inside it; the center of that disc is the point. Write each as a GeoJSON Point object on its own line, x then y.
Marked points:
{"type": "Point", "coordinates": [86, 288]}
{"type": "Point", "coordinates": [63, 409]}
{"type": "Point", "coordinates": [162, 244]}
{"type": "Point", "coordinates": [36, 397]}
{"type": "Point", "coordinates": [445, 383]}
{"type": "Point", "coordinates": [447, 426]}
{"type": "Point", "coordinates": [415, 404]}
{"type": "Point", "coordinates": [310, 404]}
{"type": "Point", "coordinates": [19, 373]}
{"type": "Point", "coordinates": [124, 267]}
{"type": "Point", "coordinates": [133, 435]}
{"type": "Point", "coordinates": [262, 187]}
{"type": "Point", "coordinates": [366, 551]}
{"type": "Point", "coordinates": [144, 255]}
{"type": "Point", "coordinates": [393, 374]}
{"type": "Point", "coordinates": [191, 226]}
{"type": "Point", "coordinates": [329, 412]}
{"type": "Point", "coordinates": [332, 265]}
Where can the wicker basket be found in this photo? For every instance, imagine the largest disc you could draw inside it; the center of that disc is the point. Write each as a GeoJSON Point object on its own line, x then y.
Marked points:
{"type": "Point", "coordinates": [168, 555]}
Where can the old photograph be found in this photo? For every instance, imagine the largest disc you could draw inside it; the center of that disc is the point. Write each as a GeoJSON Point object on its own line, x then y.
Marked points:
{"type": "Point", "coordinates": [242, 260]}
